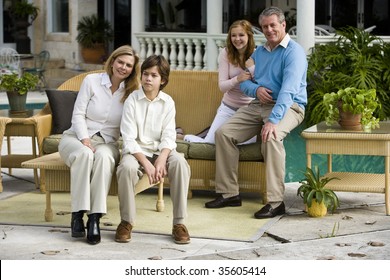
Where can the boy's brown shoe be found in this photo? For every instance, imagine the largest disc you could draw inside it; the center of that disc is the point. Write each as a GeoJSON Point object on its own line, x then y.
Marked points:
{"type": "Point", "coordinates": [123, 232]}
{"type": "Point", "coordinates": [180, 234]}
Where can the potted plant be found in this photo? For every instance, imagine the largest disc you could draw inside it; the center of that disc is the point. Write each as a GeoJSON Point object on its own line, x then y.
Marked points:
{"type": "Point", "coordinates": [356, 59]}
{"type": "Point", "coordinates": [94, 34]}
{"type": "Point", "coordinates": [316, 197]}
{"type": "Point", "coordinates": [17, 87]}
{"type": "Point", "coordinates": [23, 14]}
{"type": "Point", "coordinates": [351, 102]}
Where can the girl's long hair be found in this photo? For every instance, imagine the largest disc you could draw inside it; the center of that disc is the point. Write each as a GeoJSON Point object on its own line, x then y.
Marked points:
{"type": "Point", "coordinates": [232, 52]}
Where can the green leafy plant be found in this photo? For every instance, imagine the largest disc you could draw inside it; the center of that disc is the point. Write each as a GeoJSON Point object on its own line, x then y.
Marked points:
{"type": "Point", "coordinates": [355, 101]}
{"type": "Point", "coordinates": [313, 188]}
{"type": "Point", "coordinates": [24, 9]}
{"type": "Point", "coordinates": [94, 30]}
{"type": "Point", "coordinates": [357, 59]}
{"type": "Point", "coordinates": [22, 84]}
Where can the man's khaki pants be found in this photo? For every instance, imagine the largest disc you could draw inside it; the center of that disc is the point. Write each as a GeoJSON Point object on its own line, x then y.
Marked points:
{"type": "Point", "coordinates": [246, 123]}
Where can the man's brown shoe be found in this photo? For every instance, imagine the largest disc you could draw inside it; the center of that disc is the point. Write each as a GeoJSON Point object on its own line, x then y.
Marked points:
{"type": "Point", "coordinates": [180, 234]}
{"type": "Point", "coordinates": [123, 232]}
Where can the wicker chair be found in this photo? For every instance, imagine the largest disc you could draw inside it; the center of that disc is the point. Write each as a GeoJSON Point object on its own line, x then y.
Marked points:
{"type": "Point", "coordinates": [39, 69]}
{"type": "Point", "coordinates": [3, 123]}
{"type": "Point", "coordinates": [9, 61]}
{"type": "Point", "coordinates": [197, 97]}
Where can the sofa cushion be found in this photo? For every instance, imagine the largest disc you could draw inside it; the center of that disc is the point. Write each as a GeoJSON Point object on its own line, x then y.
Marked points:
{"type": "Point", "coordinates": [50, 145]}
{"type": "Point", "coordinates": [61, 104]}
{"type": "Point", "coordinates": [183, 147]}
{"type": "Point", "coordinates": [250, 152]}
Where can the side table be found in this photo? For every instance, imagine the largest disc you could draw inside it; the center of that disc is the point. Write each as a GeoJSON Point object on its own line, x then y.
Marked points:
{"type": "Point", "coordinates": [329, 140]}
{"type": "Point", "coordinates": [19, 124]}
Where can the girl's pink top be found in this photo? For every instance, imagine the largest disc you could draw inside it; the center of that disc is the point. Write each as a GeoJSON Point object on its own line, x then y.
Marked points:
{"type": "Point", "coordinates": [228, 82]}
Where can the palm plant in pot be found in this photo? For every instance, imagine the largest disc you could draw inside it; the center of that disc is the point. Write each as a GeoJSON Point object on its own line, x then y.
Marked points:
{"type": "Point", "coordinates": [17, 87]}
{"type": "Point", "coordinates": [358, 105]}
{"type": "Point", "coordinates": [355, 59]}
{"type": "Point", "coordinates": [94, 34]}
{"type": "Point", "coordinates": [316, 197]}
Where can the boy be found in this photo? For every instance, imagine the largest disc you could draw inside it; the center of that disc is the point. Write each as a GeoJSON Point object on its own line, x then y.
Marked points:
{"type": "Point", "coordinates": [149, 134]}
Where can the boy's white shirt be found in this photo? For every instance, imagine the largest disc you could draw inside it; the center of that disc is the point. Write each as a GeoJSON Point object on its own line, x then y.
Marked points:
{"type": "Point", "coordinates": [148, 126]}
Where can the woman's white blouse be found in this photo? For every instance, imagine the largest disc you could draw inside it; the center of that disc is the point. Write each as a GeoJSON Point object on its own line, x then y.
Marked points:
{"type": "Point", "coordinates": [97, 109]}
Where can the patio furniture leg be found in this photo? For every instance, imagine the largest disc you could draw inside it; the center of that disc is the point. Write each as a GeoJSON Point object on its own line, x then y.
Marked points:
{"type": "Point", "coordinates": [160, 206]}
{"type": "Point", "coordinates": [48, 210]}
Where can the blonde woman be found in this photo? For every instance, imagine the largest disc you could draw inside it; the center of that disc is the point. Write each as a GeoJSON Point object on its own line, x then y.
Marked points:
{"type": "Point", "coordinates": [89, 146]}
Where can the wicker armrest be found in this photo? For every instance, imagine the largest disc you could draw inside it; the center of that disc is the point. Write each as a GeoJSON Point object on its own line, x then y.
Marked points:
{"type": "Point", "coordinates": [3, 123]}
{"type": "Point", "coordinates": [50, 162]}
{"type": "Point", "coordinates": [43, 125]}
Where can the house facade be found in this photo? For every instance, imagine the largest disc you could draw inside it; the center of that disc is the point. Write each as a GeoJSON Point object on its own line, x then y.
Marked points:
{"type": "Point", "coordinates": [188, 32]}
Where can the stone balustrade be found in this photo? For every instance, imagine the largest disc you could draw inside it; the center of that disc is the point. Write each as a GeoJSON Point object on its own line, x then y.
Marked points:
{"type": "Point", "coordinates": [197, 51]}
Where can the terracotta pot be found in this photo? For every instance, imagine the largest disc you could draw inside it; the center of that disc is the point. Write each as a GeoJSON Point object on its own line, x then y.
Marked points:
{"type": "Point", "coordinates": [317, 209]}
{"type": "Point", "coordinates": [349, 121]}
{"type": "Point", "coordinates": [95, 55]}
{"type": "Point", "coordinates": [17, 102]}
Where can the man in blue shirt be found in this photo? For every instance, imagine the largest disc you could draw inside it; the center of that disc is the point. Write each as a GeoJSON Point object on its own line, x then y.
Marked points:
{"type": "Point", "coordinates": [279, 89]}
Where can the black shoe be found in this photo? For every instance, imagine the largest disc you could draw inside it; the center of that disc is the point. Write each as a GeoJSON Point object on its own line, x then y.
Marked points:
{"type": "Point", "coordinates": [220, 202]}
{"type": "Point", "coordinates": [268, 212]}
{"type": "Point", "coordinates": [77, 224]}
{"type": "Point", "coordinates": [93, 229]}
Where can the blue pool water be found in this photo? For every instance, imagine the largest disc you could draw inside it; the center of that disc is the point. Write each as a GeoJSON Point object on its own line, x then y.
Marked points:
{"type": "Point", "coordinates": [28, 106]}
{"type": "Point", "coordinates": [296, 159]}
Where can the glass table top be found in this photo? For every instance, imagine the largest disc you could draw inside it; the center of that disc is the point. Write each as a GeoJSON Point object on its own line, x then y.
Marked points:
{"type": "Point", "coordinates": [26, 114]}
{"type": "Point", "coordinates": [384, 128]}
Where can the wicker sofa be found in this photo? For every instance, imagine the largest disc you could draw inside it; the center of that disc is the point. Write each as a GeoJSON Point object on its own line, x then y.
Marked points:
{"type": "Point", "coordinates": [197, 98]}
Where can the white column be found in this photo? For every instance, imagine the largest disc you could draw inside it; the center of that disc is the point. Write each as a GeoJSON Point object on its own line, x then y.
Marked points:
{"type": "Point", "coordinates": [305, 24]}
{"type": "Point", "coordinates": [214, 26]}
{"type": "Point", "coordinates": [137, 21]}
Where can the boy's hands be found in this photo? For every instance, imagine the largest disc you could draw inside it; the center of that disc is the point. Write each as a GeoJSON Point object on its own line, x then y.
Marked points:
{"type": "Point", "coordinates": [150, 171]}
{"type": "Point", "coordinates": [160, 169]}
{"type": "Point", "coordinates": [157, 171]}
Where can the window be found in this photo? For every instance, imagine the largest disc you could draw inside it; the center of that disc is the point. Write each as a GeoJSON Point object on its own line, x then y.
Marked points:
{"type": "Point", "coordinates": [176, 15]}
{"type": "Point", "coordinates": [7, 23]}
{"type": "Point", "coordinates": [371, 15]}
{"type": "Point", "coordinates": [235, 10]}
{"type": "Point", "coordinates": [58, 12]}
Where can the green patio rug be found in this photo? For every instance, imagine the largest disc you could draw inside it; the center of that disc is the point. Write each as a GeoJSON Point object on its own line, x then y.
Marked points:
{"type": "Point", "coordinates": [230, 223]}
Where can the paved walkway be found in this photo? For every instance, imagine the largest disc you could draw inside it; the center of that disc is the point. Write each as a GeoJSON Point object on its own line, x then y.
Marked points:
{"type": "Point", "coordinates": [349, 234]}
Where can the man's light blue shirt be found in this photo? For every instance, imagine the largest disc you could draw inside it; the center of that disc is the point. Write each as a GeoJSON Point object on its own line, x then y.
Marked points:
{"type": "Point", "coordinates": [283, 71]}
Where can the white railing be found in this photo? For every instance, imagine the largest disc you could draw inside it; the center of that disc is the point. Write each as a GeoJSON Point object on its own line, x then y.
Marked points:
{"type": "Point", "coordinates": [331, 38]}
{"type": "Point", "coordinates": [185, 51]}
{"type": "Point", "coordinates": [190, 51]}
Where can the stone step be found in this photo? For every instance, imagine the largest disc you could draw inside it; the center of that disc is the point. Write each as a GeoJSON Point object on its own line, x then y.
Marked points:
{"type": "Point", "coordinates": [52, 63]}
{"type": "Point", "coordinates": [56, 73]}
{"type": "Point", "coordinates": [56, 76]}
